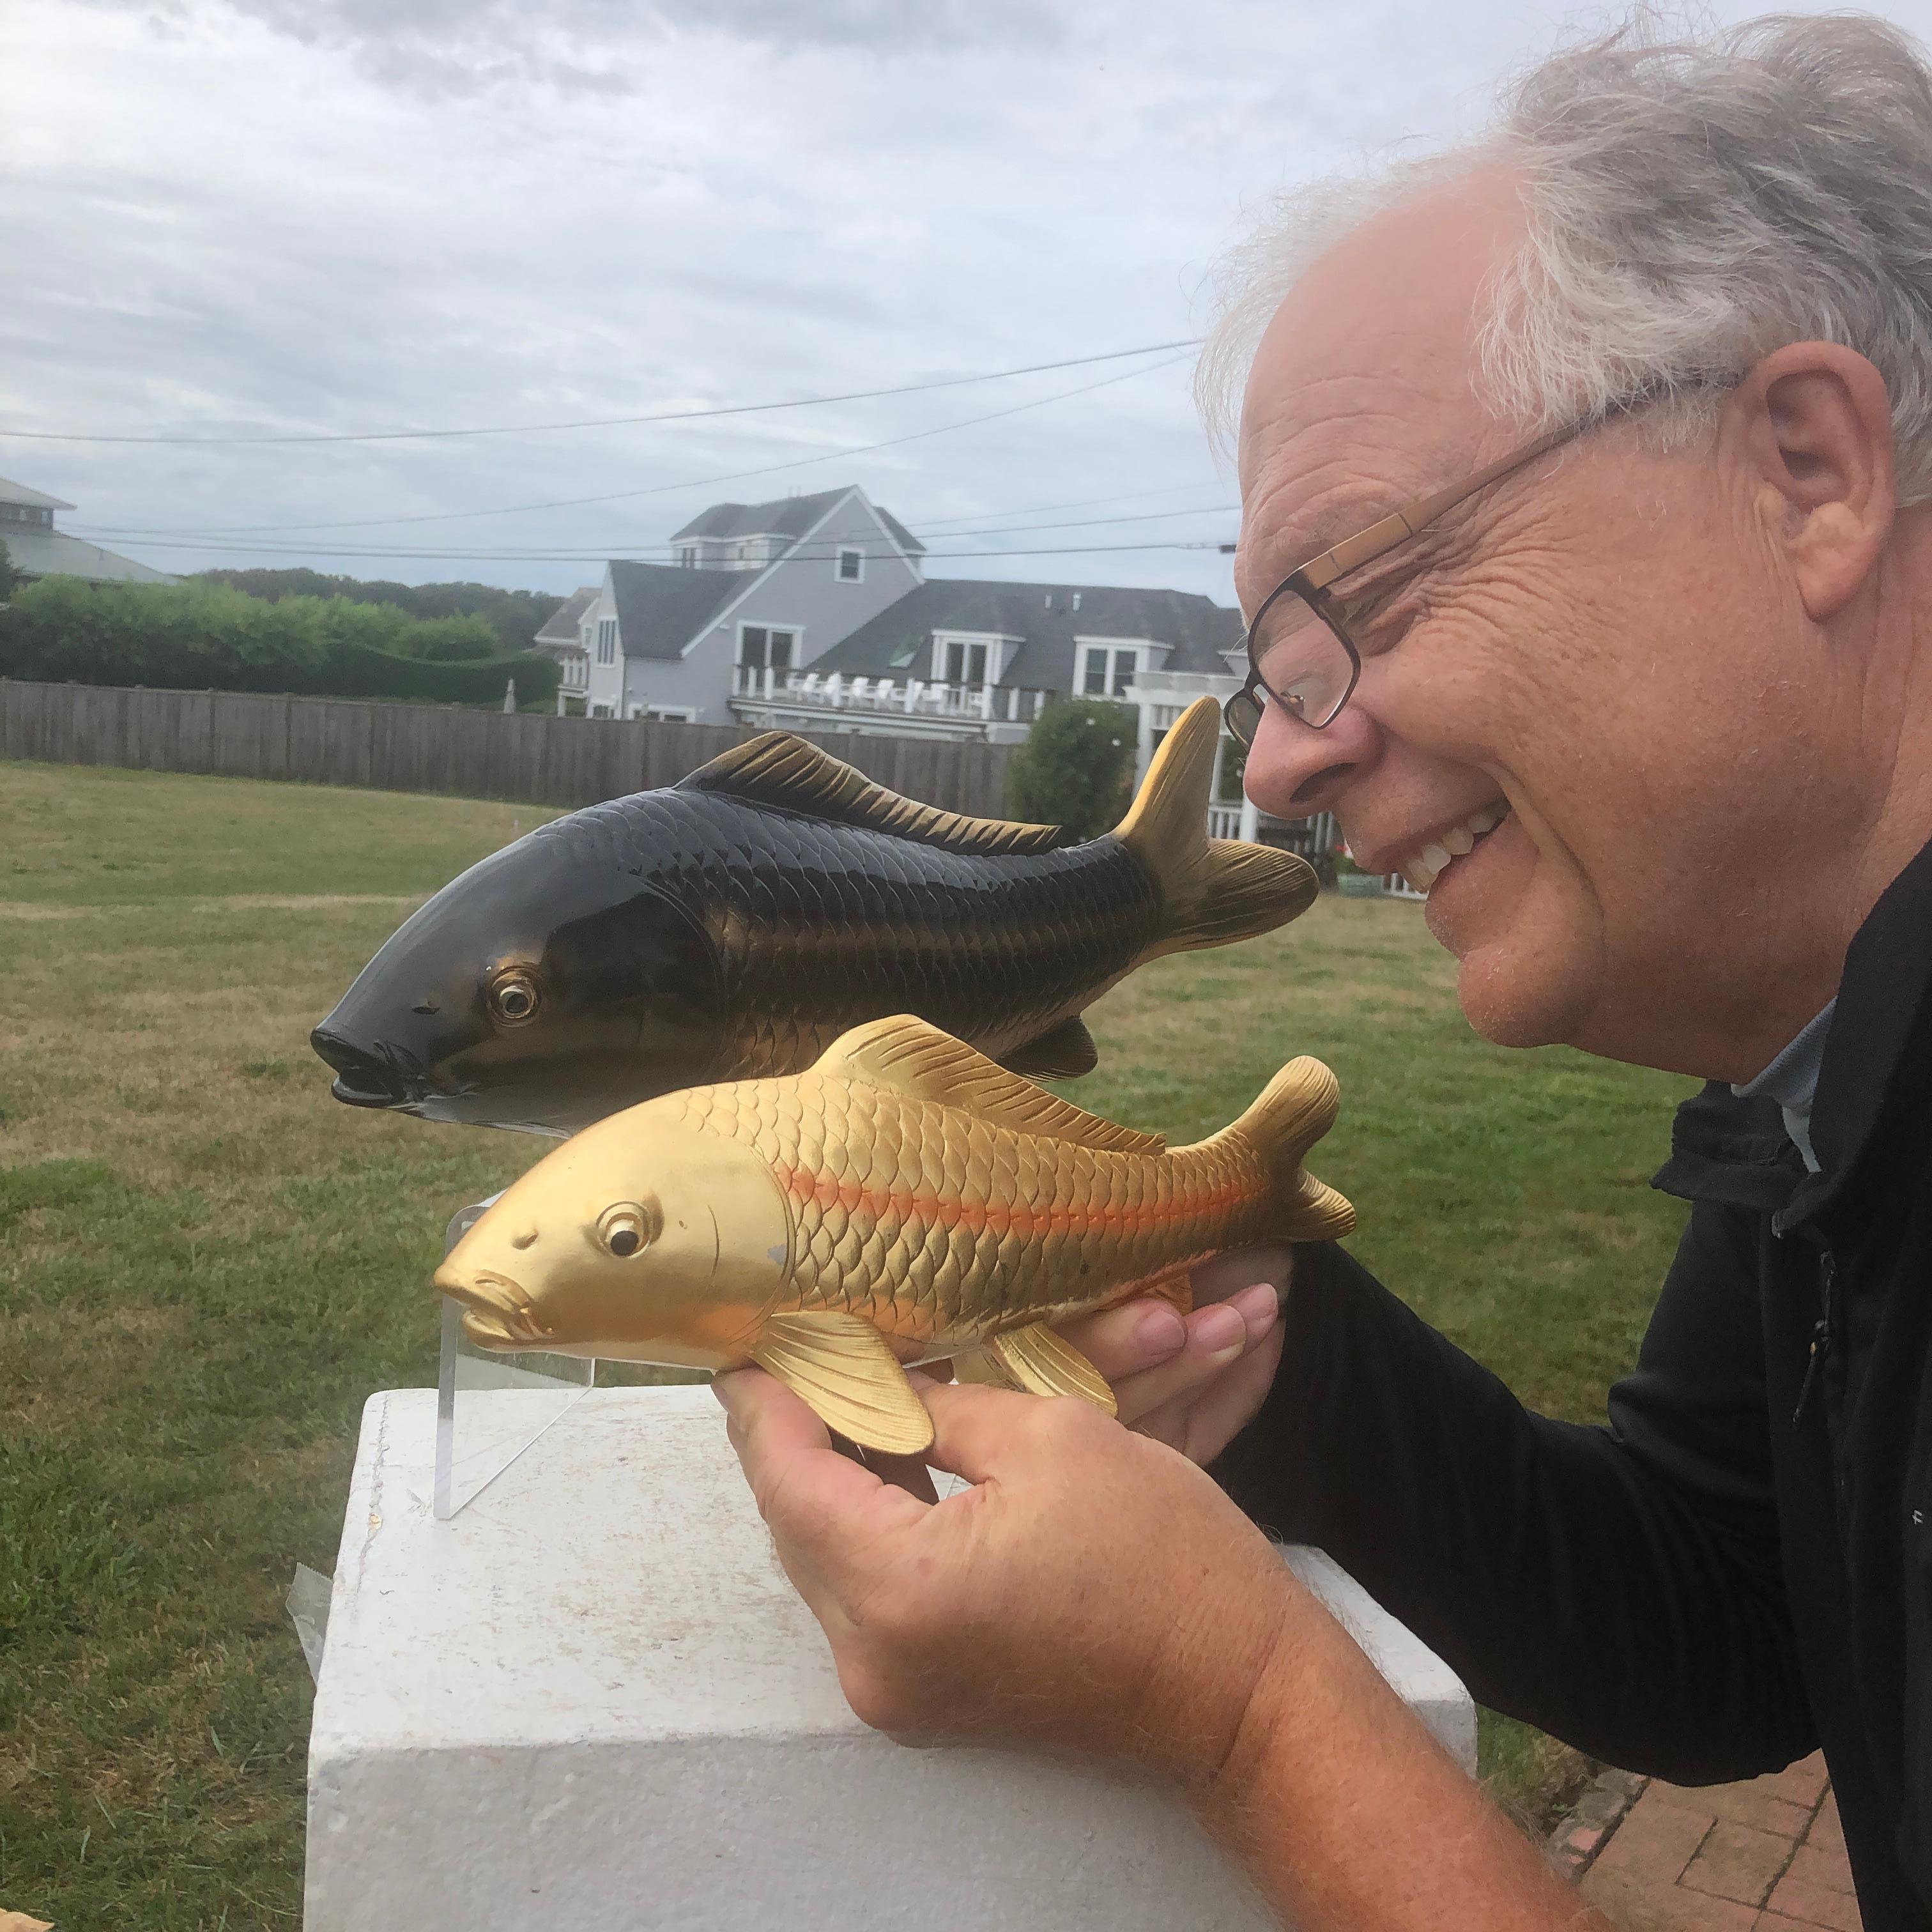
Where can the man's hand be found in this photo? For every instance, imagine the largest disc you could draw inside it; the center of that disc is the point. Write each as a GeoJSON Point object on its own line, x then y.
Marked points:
{"type": "Point", "coordinates": [1093, 1592]}
{"type": "Point", "coordinates": [1195, 1385]}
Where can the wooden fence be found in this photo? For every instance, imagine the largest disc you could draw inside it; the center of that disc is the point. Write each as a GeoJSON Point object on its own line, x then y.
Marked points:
{"type": "Point", "coordinates": [534, 760]}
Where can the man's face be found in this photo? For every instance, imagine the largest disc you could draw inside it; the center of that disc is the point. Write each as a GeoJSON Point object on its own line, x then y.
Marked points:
{"type": "Point", "coordinates": [1600, 647]}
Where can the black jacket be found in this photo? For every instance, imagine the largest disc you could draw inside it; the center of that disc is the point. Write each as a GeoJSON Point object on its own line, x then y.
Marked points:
{"type": "Point", "coordinates": [1738, 1567]}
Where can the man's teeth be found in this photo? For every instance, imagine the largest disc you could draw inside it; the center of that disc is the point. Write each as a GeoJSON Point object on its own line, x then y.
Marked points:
{"type": "Point", "coordinates": [1428, 866]}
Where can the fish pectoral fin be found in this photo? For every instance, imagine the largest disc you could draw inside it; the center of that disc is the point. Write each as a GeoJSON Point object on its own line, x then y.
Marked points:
{"type": "Point", "coordinates": [841, 1368]}
{"type": "Point", "coordinates": [983, 1368]}
{"type": "Point", "coordinates": [906, 1054]}
{"type": "Point", "coordinates": [1064, 1052]}
{"type": "Point", "coordinates": [1049, 1364]}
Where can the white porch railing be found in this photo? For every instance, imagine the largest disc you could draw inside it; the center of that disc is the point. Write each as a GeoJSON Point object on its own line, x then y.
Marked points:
{"type": "Point", "coordinates": [916, 698]}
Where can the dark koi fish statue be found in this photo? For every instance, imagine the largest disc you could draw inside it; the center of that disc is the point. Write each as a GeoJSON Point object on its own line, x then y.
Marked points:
{"type": "Point", "coordinates": [732, 925]}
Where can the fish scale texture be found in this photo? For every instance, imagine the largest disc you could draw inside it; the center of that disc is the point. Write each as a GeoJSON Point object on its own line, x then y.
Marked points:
{"type": "Point", "coordinates": [820, 926]}
{"type": "Point", "coordinates": [930, 1223]}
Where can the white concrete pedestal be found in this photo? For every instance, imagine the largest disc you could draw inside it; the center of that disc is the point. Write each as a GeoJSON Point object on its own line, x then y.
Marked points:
{"type": "Point", "coordinates": [592, 1703]}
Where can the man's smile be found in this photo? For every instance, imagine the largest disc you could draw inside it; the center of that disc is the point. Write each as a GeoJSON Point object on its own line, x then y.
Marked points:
{"type": "Point", "coordinates": [1422, 859]}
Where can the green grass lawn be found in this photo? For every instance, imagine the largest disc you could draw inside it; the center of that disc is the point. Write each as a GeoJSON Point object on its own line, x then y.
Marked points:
{"type": "Point", "coordinates": [206, 1265]}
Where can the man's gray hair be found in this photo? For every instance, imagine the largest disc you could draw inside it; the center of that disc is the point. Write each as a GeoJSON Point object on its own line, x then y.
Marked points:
{"type": "Point", "coordinates": [1692, 204]}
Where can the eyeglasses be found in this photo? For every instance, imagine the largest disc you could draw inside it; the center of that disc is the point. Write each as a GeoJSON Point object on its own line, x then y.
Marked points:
{"type": "Point", "coordinates": [1300, 651]}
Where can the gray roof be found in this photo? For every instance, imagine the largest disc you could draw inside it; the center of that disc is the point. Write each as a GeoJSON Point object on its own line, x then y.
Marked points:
{"type": "Point", "coordinates": [38, 499]}
{"type": "Point", "coordinates": [1198, 629]}
{"type": "Point", "coordinates": [784, 517]}
{"type": "Point", "coordinates": [44, 553]}
{"type": "Point", "coordinates": [563, 626]}
{"type": "Point", "coordinates": [660, 607]}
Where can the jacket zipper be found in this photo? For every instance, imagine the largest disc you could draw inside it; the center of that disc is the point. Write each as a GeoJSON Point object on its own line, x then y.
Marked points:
{"type": "Point", "coordinates": [1821, 1332]}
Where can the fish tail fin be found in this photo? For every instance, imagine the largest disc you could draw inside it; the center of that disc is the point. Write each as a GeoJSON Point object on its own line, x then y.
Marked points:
{"type": "Point", "coordinates": [1216, 890]}
{"type": "Point", "coordinates": [1290, 1114]}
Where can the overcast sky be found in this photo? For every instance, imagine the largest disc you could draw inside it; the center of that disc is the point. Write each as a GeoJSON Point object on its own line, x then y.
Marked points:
{"type": "Point", "coordinates": [293, 217]}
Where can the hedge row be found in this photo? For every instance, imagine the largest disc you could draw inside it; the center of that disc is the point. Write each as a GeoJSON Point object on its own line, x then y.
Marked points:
{"type": "Point", "coordinates": [197, 636]}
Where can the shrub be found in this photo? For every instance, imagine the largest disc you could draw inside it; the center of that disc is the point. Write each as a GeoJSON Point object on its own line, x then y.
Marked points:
{"type": "Point", "coordinates": [1075, 767]}
{"type": "Point", "coordinates": [201, 636]}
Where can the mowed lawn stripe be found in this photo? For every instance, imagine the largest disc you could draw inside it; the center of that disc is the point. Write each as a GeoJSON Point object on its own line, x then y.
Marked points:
{"type": "Point", "coordinates": [206, 1265]}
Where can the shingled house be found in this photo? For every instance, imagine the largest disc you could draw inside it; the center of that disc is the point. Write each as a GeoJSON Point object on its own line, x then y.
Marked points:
{"type": "Point", "coordinates": [756, 588]}
{"type": "Point", "coordinates": [36, 548]}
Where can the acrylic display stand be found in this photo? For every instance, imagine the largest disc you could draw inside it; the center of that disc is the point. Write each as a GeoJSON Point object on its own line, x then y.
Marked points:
{"type": "Point", "coordinates": [592, 1701]}
{"type": "Point", "coordinates": [476, 1440]}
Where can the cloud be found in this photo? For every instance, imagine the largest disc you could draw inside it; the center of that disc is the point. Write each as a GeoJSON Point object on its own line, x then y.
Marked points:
{"type": "Point", "coordinates": [268, 217]}
{"type": "Point", "coordinates": [590, 48]}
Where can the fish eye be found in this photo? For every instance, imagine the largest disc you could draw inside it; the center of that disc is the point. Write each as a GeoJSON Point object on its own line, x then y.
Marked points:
{"type": "Point", "coordinates": [627, 1228]}
{"type": "Point", "coordinates": [514, 996]}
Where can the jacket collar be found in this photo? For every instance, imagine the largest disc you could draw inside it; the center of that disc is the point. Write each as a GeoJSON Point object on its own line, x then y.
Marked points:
{"type": "Point", "coordinates": [1734, 1150]}
{"type": "Point", "coordinates": [1882, 1000]}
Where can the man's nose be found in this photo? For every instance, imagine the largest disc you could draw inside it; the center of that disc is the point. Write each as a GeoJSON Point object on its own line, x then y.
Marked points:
{"type": "Point", "coordinates": [1294, 772]}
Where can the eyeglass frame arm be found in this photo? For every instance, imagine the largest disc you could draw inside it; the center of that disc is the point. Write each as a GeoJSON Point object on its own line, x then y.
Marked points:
{"type": "Point", "coordinates": [1352, 552]}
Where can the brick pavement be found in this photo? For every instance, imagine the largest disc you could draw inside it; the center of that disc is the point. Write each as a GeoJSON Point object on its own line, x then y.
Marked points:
{"type": "Point", "coordinates": [1765, 1856]}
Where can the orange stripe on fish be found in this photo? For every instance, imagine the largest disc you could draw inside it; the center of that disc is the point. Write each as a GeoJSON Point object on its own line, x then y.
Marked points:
{"type": "Point", "coordinates": [824, 1190]}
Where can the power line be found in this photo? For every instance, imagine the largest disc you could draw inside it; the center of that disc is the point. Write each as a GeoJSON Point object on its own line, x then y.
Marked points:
{"type": "Point", "coordinates": [602, 556]}
{"type": "Point", "coordinates": [1077, 503]}
{"type": "Point", "coordinates": [817, 549]}
{"type": "Point", "coordinates": [662, 489]}
{"type": "Point", "coordinates": [600, 422]}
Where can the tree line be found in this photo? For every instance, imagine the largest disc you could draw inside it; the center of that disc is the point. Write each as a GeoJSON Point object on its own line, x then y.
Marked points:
{"type": "Point", "coordinates": [199, 635]}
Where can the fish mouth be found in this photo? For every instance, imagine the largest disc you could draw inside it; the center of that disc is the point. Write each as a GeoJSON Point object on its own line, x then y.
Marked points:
{"type": "Point", "coordinates": [497, 1313]}
{"type": "Point", "coordinates": [383, 1075]}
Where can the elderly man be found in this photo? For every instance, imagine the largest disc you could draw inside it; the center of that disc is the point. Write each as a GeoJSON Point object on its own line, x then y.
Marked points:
{"type": "Point", "coordinates": [1638, 684]}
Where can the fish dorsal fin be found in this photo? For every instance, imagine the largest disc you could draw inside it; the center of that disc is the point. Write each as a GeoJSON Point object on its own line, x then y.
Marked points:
{"type": "Point", "coordinates": [780, 769]}
{"type": "Point", "coordinates": [911, 1056]}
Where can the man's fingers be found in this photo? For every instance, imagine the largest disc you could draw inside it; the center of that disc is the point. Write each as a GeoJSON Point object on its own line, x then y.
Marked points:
{"type": "Point", "coordinates": [803, 1487]}
{"type": "Point", "coordinates": [1218, 1336]}
{"type": "Point", "coordinates": [1200, 1423]}
{"type": "Point", "coordinates": [908, 1473]}
{"type": "Point", "coordinates": [974, 1427]}
{"type": "Point", "coordinates": [1123, 1341]}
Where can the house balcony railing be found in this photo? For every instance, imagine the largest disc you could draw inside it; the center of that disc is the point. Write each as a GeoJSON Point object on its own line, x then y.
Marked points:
{"type": "Point", "coordinates": [918, 697]}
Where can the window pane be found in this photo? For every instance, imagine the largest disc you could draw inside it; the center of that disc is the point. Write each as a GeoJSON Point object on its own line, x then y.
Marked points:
{"type": "Point", "coordinates": [956, 663]}
{"type": "Point", "coordinates": [751, 649]}
{"type": "Point", "coordinates": [781, 650]}
{"type": "Point", "coordinates": [1123, 672]}
{"type": "Point", "coordinates": [1095, 677]}
{"type": "Point", "coordinates": [977, 673]}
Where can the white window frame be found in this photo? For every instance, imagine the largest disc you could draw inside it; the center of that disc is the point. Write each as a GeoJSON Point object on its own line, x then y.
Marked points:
{"type": "Point", "coordinates": [666, 714]}
{"type": "Point", "coordinates": [797, 643]}
{"type": "Point", "coordinates": [997, 653]}
{"type": "Point", "coordinates": [1113, 649]}
{"type": "Point", "coordinates": [602, 711]}
{"type": "Point", "coordinates": [606, 640]}
{"type": "Point", "coordinates": [687, 556]}
{"type": "Point", "coordinates": [858, 556]}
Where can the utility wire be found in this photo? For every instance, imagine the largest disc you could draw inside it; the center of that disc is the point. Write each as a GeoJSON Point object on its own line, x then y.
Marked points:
{"type": "Point", "coordinates": [601, 422]}
{"type": "Point", "coordinates": [660, 489]}
{"type": "Point", "coordinates": [603, 556]}
{"type": "Point", "coordinates": [814, 549]}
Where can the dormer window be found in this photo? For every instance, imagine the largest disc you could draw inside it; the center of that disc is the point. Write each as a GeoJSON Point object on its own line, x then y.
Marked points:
{"type": "Point", "coordinates": [687, 556]}
{"type": "Point", "coordinates": [851, 566]}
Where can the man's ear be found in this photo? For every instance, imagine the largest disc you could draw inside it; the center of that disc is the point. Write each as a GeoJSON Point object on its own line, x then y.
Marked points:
{"type": "Point", "coordinates": [1816, 427]}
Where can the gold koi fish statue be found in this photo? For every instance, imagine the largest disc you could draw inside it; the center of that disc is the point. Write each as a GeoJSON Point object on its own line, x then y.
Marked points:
{"type": "Point", "coordinates": [906, 1199]}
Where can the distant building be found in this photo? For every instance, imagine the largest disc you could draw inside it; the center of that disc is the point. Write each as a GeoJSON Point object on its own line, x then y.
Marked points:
{"type": "Point", "coordinates": [817, 611]}
{"type": "Point", "coordinates": [757, 587]}
{"type": "Point", "coordinates": [566, 635]}
{"type": "Point", "coordinates": [37, 549]}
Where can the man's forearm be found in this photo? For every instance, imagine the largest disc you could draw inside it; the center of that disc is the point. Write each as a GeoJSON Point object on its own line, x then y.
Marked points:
{"type": "Point", "coordinates": [1347, 1813]}
{"type": "Point", "coordinates": [1511, 1543]}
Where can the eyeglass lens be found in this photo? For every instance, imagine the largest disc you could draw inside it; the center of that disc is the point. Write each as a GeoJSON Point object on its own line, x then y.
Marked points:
{"type": "Point", "coordinates": [1305, 667]}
